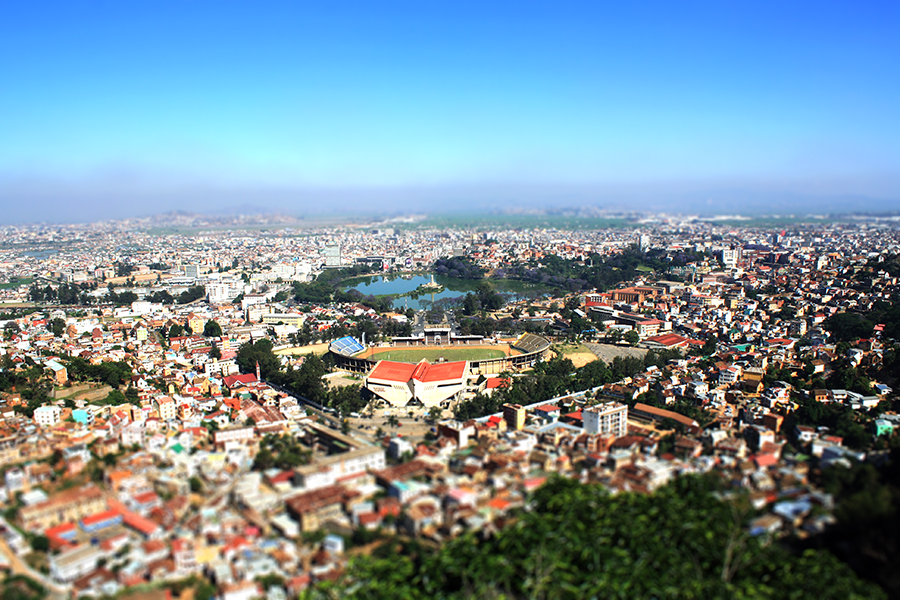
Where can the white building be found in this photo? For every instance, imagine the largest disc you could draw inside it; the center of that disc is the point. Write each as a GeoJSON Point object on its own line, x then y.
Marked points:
{"type": "Point", "coordinates": [74, 563]}
{"type": "Point", "coordinates": [397, 384]}
{"type": "Point", "coordinates": [729, 375]}
{"type": "Point", "coordinates": [47, 415]}
{"type": "Point", "coordinates": [609, 418]}
{"type": "Point", "coordinates": [341, 467]}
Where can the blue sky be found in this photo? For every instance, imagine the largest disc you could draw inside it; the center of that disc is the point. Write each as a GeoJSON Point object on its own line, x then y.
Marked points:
{"type": "Point", "coordinates": [177, 100]}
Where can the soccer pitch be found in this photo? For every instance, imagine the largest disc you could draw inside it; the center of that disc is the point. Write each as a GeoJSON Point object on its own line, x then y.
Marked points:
{"type": "Point", "coordinates": [414, 355]}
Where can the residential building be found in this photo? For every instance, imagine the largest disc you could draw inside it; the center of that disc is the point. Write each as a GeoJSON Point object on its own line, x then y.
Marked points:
{"type": "Point", "coordinates": [608, 418]}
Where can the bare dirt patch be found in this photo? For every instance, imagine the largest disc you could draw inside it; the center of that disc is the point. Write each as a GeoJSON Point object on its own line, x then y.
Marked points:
{"type": "Point", "coordinates": [311, 349]}
{"type": "Point", "coordinates": [607, 352]}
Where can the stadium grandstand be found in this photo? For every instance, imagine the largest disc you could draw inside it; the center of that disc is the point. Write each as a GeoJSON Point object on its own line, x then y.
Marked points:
{"type": "Point", "coordinates": [529, 343]}
{"type": "Point", "coordinates": [346, 346]}
{"type": "Point", "coordinates": [533, 348]}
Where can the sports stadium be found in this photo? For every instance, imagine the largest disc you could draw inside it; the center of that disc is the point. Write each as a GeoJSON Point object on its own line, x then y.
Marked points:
{"type": "Point", "coordinates": [434, 369]}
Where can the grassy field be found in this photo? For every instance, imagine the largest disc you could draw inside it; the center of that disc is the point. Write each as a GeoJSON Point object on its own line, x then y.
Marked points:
{"type": "Point", "coordinates": [413, 355]}
{"type": "Point", "coordinates": [14, 284]}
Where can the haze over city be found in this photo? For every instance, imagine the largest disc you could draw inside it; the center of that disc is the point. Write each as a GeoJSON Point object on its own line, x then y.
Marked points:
{"type": "Point", "coordinates": [111, 110]}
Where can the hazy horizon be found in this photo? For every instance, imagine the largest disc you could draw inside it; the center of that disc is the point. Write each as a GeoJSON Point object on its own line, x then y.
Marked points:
{"type": "Point", "coordinates": [122, 110]}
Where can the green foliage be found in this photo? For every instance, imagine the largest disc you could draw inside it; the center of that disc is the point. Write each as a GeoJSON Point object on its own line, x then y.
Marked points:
{"type": "Point", "coordinates": [40, 543]}
{"type": "Point", "coordinates": [112, 373]}
{"type": "Point", "coordinates": [457, 267]}
{"type": "Point", "coordinates": [346, 399]}
{"type": "Point", "coordinates": [281, 452]}
{"type": "Point", "coordinates": [161, 297]}
{"type": "Point", "coordinates": [307, 380]}
{"type": "Point", "coordinates": [556, 377]}
{"type": "Point", "coordinates": [212, 329]}
{"type": "Point", "coordinates": [580, 542]}
{"type": "Point", "coordinates": [632, 337]}
{"type": "Point", "coordinates": [57, 326]}
{"type": "Point", "coordinates": [19, 587]}
{"type": "Point", "coordinates": [484, 298]}
{"type": "Point", "coordinates": [259, 352]}
{"type": "Point", "coordinates": [868, 513]}
{"type": "Point", "coordinates": [115, 397]}
{"type": "Point", "coordinates": [846, 326]}
{"type": "Point", "coordinates": [709, 346]}
{"type": "Point", "coordinates": [601, 272]}
{"type": "Point", "coordinates": [839, 418]}
{"type": "Point", "coordinates": [191, 294]}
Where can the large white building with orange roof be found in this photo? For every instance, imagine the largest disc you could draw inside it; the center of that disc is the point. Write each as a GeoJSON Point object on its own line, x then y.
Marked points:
{"type": "Point", "coordinates": [405, 384]}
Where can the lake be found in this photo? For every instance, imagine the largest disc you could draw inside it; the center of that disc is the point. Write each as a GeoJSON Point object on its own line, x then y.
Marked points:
{"type": "Point", "coordinates": [453, 288]}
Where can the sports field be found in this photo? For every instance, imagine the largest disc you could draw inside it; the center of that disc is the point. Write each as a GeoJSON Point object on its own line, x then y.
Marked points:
{"type": "Point", "coordinates": [413, 355]}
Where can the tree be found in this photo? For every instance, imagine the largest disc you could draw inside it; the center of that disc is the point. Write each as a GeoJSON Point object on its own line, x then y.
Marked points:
{"type": "Point", "coordinates": [632, 337]}
{"type": "Point", "coordinates": [40, 543]}
{"type": "Point", "coordinates": [57, 326]}
{"type": "Point", "coordinates": [215, 353]}
{"type": "Point", "coordinates": [435, 413]}
{"type": "Point", "coordinates": [578, 541]}
{"type": "Point", "coordinates": [709, 346]}
{"type": "Point", "coordinates": [846, 327]}
{"type": "Point", "coordinates": [176, 330]}
{"type": "Point", "coordinates": [260, 352]}
{"type": "Point", "coordinates": [212, 329]}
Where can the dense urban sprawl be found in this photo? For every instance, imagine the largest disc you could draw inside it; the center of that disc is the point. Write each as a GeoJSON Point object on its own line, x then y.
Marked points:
{"type": "Point", "coordinates": [174, 408]}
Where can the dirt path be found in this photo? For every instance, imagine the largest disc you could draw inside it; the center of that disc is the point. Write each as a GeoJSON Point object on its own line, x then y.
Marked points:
{"type": "Point", "coordinates": [18, 566]}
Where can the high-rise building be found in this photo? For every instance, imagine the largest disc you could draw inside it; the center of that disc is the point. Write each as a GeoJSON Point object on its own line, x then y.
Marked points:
{"type": "Point", "coordinates": [514, 415]}
{"type": "Point", "coordinates": [731, 257]}
{"type": "Point", "coordinates": [609, 418]}
{"type": "Point", "coordinates": [333, 255]}
{"type": "Point", "coordinates": [644, 242]}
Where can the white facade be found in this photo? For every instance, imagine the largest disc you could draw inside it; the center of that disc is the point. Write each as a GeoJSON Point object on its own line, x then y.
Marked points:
{"type": "Point", "coordinates": [47, 415]}
{"type": "Point", "coordinates": [74, 563]}
{"type": "Point", "coordinates": [224, 290]}
{"type": "Point", "coordinates": [609, 418]}
{"type": "Point", "coordinates": [331, 469]}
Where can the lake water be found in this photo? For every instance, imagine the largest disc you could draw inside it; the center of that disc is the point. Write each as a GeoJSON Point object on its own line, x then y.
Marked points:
{"type": "Point", "coordinates": [453, 288]}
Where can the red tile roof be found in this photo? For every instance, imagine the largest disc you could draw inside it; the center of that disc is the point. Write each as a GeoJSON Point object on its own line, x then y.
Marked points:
{"type": "Point", "coordinates": [393, 371]}
{"type": "Point", "coordinates": [441, 372]}
{"type": "Point", "coordinates": [245, 379]}
{"type": "Point", "coordinates": [424, 371]}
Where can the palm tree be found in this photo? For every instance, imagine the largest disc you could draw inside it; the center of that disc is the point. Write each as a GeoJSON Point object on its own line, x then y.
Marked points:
{"type": "Point", "coordinates": [393, 421]}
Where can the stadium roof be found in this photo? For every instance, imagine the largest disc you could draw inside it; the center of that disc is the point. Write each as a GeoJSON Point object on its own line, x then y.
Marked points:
{"type": "Point", "coordinates": [347, 346]}
{"type": "Point", "coordinates": [427, 373]}
{"type": "Point", "coordinates": [387, 370]}
{"type": "Point", "coordinates": [424, 371]}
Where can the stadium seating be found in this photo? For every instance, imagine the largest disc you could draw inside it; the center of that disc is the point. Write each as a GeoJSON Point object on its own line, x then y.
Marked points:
{"type": "Point", "coordinates": [529, 343]}
{"type": "Point", "coordinates": [346, 346]}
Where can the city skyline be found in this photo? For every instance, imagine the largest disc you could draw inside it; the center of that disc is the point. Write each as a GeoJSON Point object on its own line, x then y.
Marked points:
{"type": "Point", "coordinates": [117, 111]}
